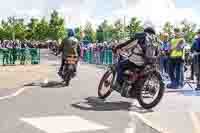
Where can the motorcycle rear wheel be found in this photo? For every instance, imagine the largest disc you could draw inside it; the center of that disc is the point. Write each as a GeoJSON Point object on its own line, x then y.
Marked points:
{"type": "Point", "coordinates": [67, 75]}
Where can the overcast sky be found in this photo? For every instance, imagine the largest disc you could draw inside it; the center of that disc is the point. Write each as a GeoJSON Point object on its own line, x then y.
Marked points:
{"type": "Point", "coordinates": [79, 11]}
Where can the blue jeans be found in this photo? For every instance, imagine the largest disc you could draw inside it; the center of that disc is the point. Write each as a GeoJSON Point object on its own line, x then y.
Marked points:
{"type": "Point", "coordinates": [121, 66]}
{"type": "Point", "coordinates": [164, 64]}
{"type": "Point", "coordinates": [175, 71]}
{"type": "Point", "coordinates": [181, 82]}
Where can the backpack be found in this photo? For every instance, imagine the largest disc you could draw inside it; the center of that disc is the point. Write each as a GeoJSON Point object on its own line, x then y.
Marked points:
{"type": "Point", "coordinates": [151, 48]}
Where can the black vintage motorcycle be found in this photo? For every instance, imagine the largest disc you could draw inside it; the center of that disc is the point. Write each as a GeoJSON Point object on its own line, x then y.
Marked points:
{"type": "Point", "coordinates": [69, 70]}
{"type": "Point", "coordinates": [144, 84]}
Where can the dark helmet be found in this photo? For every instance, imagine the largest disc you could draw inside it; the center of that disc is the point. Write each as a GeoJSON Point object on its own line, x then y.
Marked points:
{"type": "Point", "coordinates": [71, 33]}
{"type": "Point", "coordinates": [150, 30]}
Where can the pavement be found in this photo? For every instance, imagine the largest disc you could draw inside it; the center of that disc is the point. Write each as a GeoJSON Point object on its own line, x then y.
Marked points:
{"type": "Point", "coordinates": [76, 109]}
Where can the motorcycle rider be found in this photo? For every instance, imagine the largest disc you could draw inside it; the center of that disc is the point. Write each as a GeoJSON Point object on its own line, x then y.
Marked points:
{"type": "Point", "coordinates": [69, 46]}
{"type": "Point", "coordinates": [137, 47]}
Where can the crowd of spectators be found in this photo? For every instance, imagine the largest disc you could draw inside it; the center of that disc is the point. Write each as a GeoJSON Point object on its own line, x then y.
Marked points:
{"type": "Point", "coordinates": [176, 57]}
{"type": "Point", "coordinates": [12, 51]}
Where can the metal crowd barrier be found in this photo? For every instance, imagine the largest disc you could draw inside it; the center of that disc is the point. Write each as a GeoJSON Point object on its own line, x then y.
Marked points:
{"type": "Point", "coordinates": [99, 57]}
{"type": "Point", "coordinates": [9, 56]}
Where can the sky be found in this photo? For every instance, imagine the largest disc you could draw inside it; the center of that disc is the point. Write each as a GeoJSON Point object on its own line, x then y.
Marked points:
{"type": "Point", "coordinates": [78, 12]}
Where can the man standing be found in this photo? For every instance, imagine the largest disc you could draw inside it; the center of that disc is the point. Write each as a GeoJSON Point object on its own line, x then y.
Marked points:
{"type": "Point", "coordinates": [196, 59]}
{"type": "Point", "coordinates": [164, 50]}
{"type": "Point", "coordinates": [176, 60]}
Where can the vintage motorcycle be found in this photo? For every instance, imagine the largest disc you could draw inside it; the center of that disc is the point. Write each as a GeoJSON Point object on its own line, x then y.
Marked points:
{"type": "Point", "coordinates": [69, 70]}
{"type": "Point", "coordinates": [144, 84]}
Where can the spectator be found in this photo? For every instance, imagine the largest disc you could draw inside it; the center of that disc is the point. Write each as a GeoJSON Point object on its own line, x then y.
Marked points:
{"type": "Point", "coordinates": [176, 60]}
{"type": "Point", "coordinates": [196, 60]}
{"type": "Point", "coordinates": [164, 50]}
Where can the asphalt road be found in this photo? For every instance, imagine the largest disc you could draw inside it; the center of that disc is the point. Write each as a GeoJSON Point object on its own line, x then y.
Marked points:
{"type": "Point", "coordinates": [65, 109]}
{"type": "Point", "coordinates": [76, 108]}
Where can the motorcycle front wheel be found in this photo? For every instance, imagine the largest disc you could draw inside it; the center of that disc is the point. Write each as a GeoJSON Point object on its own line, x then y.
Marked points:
{"type": "Point", "coordinates": [150, 90]}
{"type": "Point", "coordinates": [107, 82]}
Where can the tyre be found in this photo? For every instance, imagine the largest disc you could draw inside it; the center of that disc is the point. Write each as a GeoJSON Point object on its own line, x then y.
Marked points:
{"type": "Point", "coordinates": [67, 75]}
{"type": "Point", "coordinates": [105, 82]}
{"type": "Point", "coordinates": [146, 87]}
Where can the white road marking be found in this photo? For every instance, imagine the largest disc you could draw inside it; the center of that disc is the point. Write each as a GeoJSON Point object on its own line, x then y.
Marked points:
{"type": "Point", "coordinates": [196, 122]}
{"type": "Point", "coordinates": [63, 124]}
{"type": "Point", "coordinates": [14, 94]}
{"type": "Point", "coordinates": [130, 130]}
{"type": "Point", "coordinates": [147, 122]}
{"type": "Point", "coordinates": [137, 117]}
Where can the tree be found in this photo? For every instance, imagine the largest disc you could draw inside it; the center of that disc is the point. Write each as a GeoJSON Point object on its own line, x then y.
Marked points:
{"type": "Point", "coordinates": [134, 26]}
{"type": "Point", "coordinates": [89, 32]}
{"type": "Point", "coordinates": [56, 27]}
{"type": "Point", "coordinates": [188, 30]}
{"type": "Point", "coordinates": [105, 32]}
{"type": "Point", "coordinates": [31, 28]}
{"type": "Point", "coordinates": [99, 35]}
{"type": "Point", "coordinates": [118, 30]}
{"type": "Point", "coordinates": [168, 28]}
{"type": "Point", "coordinates": [6, 31]}
{"type": "Point", "coordinates": [78, 33]}
{"type": "Point", "coordinates": [20, 29]}
{"type": "Point", "coordinates": [42, 30]}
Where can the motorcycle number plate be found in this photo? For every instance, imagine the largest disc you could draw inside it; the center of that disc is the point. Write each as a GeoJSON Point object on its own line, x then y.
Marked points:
{"type": "Point", "coordinates": [71, 62]}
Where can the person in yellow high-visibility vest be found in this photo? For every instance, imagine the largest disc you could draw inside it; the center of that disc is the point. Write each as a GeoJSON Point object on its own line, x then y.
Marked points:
{"type": "Point", "coordinates": [176, 60]}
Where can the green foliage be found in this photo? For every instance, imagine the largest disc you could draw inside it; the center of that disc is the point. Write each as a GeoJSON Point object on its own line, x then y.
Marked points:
{"type": "Point", "coordinates": [90, 34]}
{"type": "Point", "coordinates": [189, 31]}
{"type": "Point", "coordinates": [134, 26]}
{"type": "Point", "coordinates": [42, 30]}
{"type": "Point", "coordinates": [78, 33]}
{"type": "Point", "coordinates": [168, 28]}
{"type": "Point", "coordinates": [118, 30]}
{"type": "Point", "coordinates": [56, 27]}
{"type": "Point", "coordinates": [31, 29]}
{"type": "Point", "coordinates": [105, 32]}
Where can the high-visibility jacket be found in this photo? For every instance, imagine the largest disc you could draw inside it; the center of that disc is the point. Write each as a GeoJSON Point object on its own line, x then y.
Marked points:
{"type": "Point", "coordinates": [176, 53]}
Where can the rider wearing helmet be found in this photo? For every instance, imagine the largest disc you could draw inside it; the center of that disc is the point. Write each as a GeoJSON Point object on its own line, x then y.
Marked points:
{"type": "Point", "coordinates": [137, 48]}
{"type": "Point", "coordinates": [69, 46]}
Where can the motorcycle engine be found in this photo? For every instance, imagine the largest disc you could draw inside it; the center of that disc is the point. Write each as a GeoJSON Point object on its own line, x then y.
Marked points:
{"type": "Point", "coordinates": [130, 76]}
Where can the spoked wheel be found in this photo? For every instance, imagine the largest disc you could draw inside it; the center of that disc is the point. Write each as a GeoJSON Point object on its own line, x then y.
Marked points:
{"type": "Point", "coordinates": [150, 90]}
{"type": "Point", "coordinates": [105, 86]}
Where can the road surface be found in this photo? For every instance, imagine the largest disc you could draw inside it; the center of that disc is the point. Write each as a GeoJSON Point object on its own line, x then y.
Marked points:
{"type": "Point", "coordinates": [76, 109]}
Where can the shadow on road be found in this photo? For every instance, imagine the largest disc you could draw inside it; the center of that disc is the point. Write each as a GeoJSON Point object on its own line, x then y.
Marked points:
{"type": "Point", "coordinates": [96, 104]}
{"type": "Point", "coordinates": [49, 84]}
